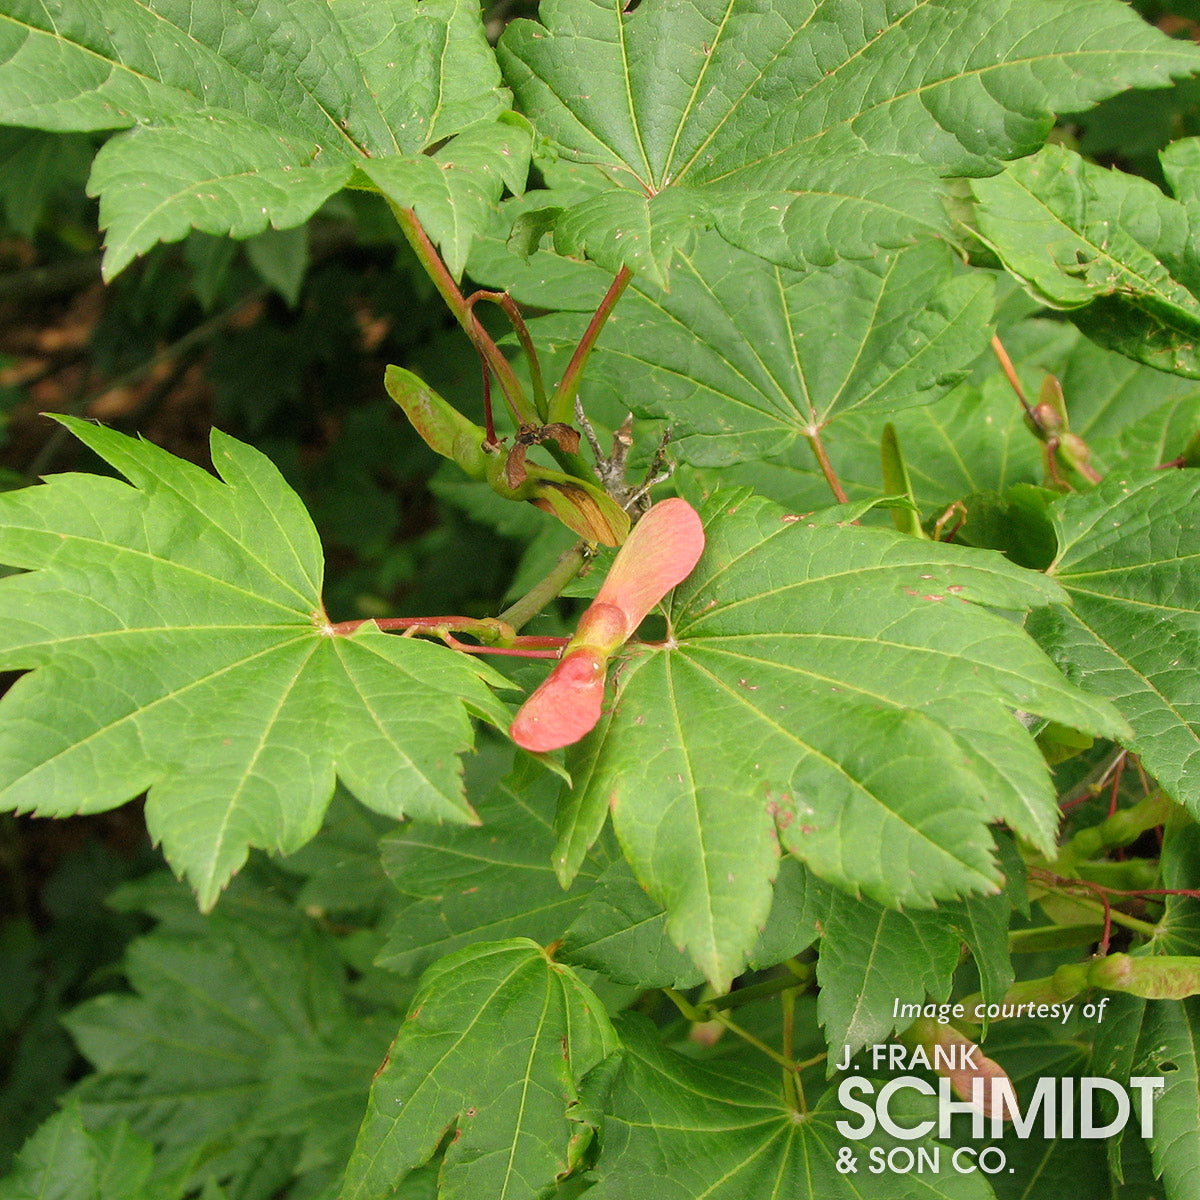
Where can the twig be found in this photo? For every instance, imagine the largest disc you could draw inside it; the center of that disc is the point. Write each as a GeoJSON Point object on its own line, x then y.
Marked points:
{"type": "Point", "coordinates": [541, 594]}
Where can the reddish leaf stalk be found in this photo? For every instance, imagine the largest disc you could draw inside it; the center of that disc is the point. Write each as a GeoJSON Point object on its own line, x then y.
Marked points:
{"type": "Point", "coordinates": [429, 258]}
{"type": "Point", "coordinates": [562, 403]}
{"type": "Point", "coordinates": [498, 636]}
{"type": "Point", "coordinates": [489, 420]}
{"type": "Point", "coordinates": [835, 484]}
{"type": "Point", "coordinates": [1010, 374]}
{"type": "Point", "coordinates": [513, 313]}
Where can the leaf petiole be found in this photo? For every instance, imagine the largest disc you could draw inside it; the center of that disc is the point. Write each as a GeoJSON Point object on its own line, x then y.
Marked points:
{"type": "Point", "coordinates": [818, 448]}
{"type": "Point", "coordinates": [701, 1014]}
{"type": "Point", "coordinates": [506, 302]}
{"type": "Point", "coordinates": [436, 269]}
{"type": "Point", "coordinates": [497, 636]}
{"type": "Point", "coordinates": [562, 403]}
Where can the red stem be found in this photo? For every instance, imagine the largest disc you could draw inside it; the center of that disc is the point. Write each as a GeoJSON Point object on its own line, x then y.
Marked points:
{"type": "Point", "coordinates": [515, 651]}
{"type": "Point", "coordinates": [531, 646]}
{"type": "Point", "coordinates": [513, 313]}
{"type": "Point", "coordinates": [489, 421]}
{"type": "Point", "coordinates": [429, 258]}
{"type": "Point", "coordinates": [1010, 374]}
{"type": "Point", "coordinates": [562, 403]}
{"type": "Point", "coordinates": [1106, 936]}
{"type": "Point", "coordinates": [835, 484]}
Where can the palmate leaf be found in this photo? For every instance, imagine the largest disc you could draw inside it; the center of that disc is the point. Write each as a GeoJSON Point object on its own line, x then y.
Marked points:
{"type": "Point", "coordinates": [179, 644]}
{"type": "Point", "coordinates": [974, 440]}
{"type": "Point", "coordinates": [1129, 558]}
{"type": "Point", "coordinates": [493, 1047]}
{"type": "Point", "coordinates": [1160, 1037]}
{"type": "Point", "coordinates": [874, 959]}
{"type": "Point", "coordinates": [719, 1131]}
{"type": "Point", "coordinates": [65, 1161]}
{"type": "Point", "coordinates": [246, 115]}
{"type": "Point", "coordinates": [856, 712]}
{"type": "Point", "coordinates": [1109, 248]}
{"type": "Point", "coordinates": [225, 1023]}
{"type": "Point", "coordinates": [806, 130]}
{"type": "Point", "coordinates": [744, 358]}
{"type": "Point", "coordinates": [483, 884]}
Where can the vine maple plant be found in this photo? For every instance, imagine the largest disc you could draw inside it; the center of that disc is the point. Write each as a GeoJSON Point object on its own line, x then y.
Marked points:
{"type": "Point", "coordinates": [917, 726]}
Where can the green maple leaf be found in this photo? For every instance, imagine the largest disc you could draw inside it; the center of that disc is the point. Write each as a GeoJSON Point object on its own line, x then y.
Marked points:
{"type": "Point", "coordinates": [65, 1161]}
{"type": "Point", "coordinates": [251, 1002]}
{"type": "Point", "coordinates": [494, 1044]}
{"type": "Point", "coordinates": [256, 115]}
{"type": "Point", "coordinates": [1109, 248]}
{"type": "Point", "coordinates": [856, 710]}
{"type": "Point", "coordinates": [1128, 559]}
{"type": "Point", "coordinates": [873, 958]}
{"type": "Point", "coordinates": [464, 885]}
{"type": "Point", "coordinates": [178, 644]}
{"type": "Point", "coordinates": [805, 130]}
{"type": "Point", "coordinates": [722, 1132]}
{"type": "Point", "coordinates": [1158, 1038]}
{"type": "Point", "coordinates": [745, 358]}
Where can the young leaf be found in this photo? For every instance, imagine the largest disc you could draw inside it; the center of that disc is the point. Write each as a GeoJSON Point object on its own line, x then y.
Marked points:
{"type": "Point", "coordinates": [493, 1047]}
{"type": "Point", "coordinates": [721, 1132]}
{"type": "Point", "coordinates": [744, 358]}
{"type": "Point", "coordinates": [806, 131]}
{"type": "Point", "coordinates": [1128, 559]}
{"type": "Point", "coordinates": [182, 617]}
{"type": "Point", "coordinates": [256, 115]}
{"type": "Point", "coordinates": [1109, 248]}
{"type": "Point", "coordinates": [857, 713]}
